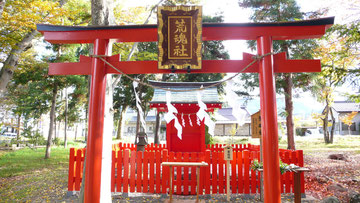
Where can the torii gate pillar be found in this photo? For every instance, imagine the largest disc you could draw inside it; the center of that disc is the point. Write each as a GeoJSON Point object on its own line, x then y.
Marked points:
{"type": "Point", "coordinates": [269, 134]}
{"type": "Point", "coordinates": [96, 124]}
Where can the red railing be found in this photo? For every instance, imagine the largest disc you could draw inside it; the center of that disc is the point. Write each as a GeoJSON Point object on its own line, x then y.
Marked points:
{"type": "Point", "coordinates": [142, 171]}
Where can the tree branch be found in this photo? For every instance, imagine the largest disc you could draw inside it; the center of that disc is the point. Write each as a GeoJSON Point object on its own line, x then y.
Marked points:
{"type": "Point", "coordinates": [11, 61]}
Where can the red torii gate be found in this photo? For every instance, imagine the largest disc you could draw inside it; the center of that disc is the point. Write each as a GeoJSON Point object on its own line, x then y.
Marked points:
{"type": "Point", "coordinates": [263, 33]}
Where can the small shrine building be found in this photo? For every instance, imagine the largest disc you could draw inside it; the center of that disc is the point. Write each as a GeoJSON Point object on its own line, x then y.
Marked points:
{"type": "Point", "coordinates": [186, 103]}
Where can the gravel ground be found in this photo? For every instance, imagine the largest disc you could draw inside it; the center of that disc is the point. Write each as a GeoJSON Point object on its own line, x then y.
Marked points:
{"type": "Point", "coordinates": [156, 198]}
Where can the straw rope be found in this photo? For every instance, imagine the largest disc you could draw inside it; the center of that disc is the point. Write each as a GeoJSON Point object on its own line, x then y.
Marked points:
{"type": "Point", "coordinates": [256, 58]}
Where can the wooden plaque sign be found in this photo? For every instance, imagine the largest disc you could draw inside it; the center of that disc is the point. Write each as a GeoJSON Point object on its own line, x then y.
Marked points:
{"type": "Point", "coordinates": [256, 125]}
{"type": "Point", "coordinates": [228, 153]}
{"type": "Point", "coordinates": [179, 35]}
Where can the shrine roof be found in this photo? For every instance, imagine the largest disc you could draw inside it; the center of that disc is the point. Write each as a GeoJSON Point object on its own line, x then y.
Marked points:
{"type": "Point", "coordinates": [210, 95]}
{"type": "Point", "coordinates": [345, 106]}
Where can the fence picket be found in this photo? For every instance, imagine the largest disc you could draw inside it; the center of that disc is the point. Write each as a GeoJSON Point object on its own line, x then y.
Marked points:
{"type": "Point", "coordinates": [233, 173]}
{"type": "Point", "coordinates": [178, 173]}
{"type": "Point", "coordinates": [239, 157]}
{"type": "Point", "coordinates": [193, 174]}
{"type": "Point", "coordinates": [246, 172]}
{"type": "Point", "coordinates": [78, 169]}
{"type": "Point", "coordinates": [152, 172]}
{"type": "Point", "coordinates": [71, 170]}
{"type": "Point", "coordinates": [132, 171]}
{"type": "Point", "coordinates": [202, 173]}
{"type": "Point", "coordinates": [214, 172]}
{"type": "Point", "coordinates": [158, 171]}
{"type": "Point", "coordinates": [207, 172]}
{"type": "Point", "coordinates": [221, 172]}
{"type": "Point", "coordinates": [172, 159]}
{"type": "Point", "coordinates": [146, 172]}
{"type": "Point", "coordinates": [139, 172]}
{"type": "Point", "coordinates": [126, 170]}
{"type": "Point", "coordinates": [186, 174]}
{"type": "Point", "coordinates": [165, 173]}
{"type": "Point", "coordinates": [253, 174]}
{"type": "Point", "coordinates": [113, 177]}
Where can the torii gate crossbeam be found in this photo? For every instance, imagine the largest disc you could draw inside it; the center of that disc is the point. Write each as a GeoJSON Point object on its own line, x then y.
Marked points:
{"type": "Point", "coordinates": [264, 33]}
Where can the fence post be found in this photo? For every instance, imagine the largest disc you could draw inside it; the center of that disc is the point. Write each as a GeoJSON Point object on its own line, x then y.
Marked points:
{"type": "Point", "coordinates": [165, 172]}
{"type": "Point", "coordinates": [119, 164]}
{"type": "Point", "coordinates": [246, 172]}
{"type": "Point", "coordinates": [71, 173]}
{"type": "Point", "coordinates": [113, 163]}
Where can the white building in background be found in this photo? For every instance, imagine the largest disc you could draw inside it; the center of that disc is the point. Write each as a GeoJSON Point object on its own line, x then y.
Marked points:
{"type": "Point", "coordinates": [226, 122]}
{"type": "Point", "coordinates": [342, 108]}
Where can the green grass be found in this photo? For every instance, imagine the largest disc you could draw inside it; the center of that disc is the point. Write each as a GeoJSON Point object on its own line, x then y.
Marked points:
{"type": "Point", "coordinates": [13, 163]}
{"type": "Point", "coordinates": [25, 176]}
{"type": "Point", "coordinates": [29, 160]}
{"type": "Point", "coordinates": [308, 144]}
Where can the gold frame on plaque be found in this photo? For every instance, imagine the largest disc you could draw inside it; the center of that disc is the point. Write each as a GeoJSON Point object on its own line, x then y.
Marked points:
{"type": "Point", "coordinates": [164, 59]}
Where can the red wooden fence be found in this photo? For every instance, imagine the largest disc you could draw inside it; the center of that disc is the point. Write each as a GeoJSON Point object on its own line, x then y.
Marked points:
{"type": "Point", "coordinates": [142, 171]}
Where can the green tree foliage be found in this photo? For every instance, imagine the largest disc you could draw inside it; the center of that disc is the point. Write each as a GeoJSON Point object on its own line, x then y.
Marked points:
{"type": "Point", "coordinates": [278, 11]}
{"type": "Point", "coordinates": [336, 59]}
{"type": "Point", "coordinates": [350, 36]}
{"type": "Point", "coordinates": [348, 119]}
{"type": "Point", "coordinates": [34, 93]}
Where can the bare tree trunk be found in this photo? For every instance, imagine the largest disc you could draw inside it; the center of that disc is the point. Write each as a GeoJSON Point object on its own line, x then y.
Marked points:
{"type": "Point", "coordinates": [51, 127]}
{"type": "Point", "coordinates": [326, 122]}
{"type": "Point", "coordinates": [55, 125]}
{"type": "Point", "coordinates": [121, 118]}
{"type": "Point", "coordinates": [289, 111]}
{"type": "Point", "coordinates": [65, 112]}
{"type": "Point", "coordinates": [76, 130]}
{"type": "Point", "coordinates": [18, 130]}
{"type": "Point", "coordinates": [332, 127]}
{"type": "Point", "coordinates": [10, 64]}
{"type": "Point", "coordinates": [157, 126]}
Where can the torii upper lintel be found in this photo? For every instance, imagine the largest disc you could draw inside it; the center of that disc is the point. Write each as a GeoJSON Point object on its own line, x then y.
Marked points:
{"type": "Point", "coordinates": [305, 29]}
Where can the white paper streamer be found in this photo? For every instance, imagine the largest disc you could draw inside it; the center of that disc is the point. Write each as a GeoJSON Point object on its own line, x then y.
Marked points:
{"type": "Point", "coordinates": [138, 106]}
{"type": "Point", "coordinates": [233, 100]}
{"type": "Point", "coordinates": [169, 116]}
{"type": "Point", "coordinates": [183, 120]}
{"type": "Point", "coordinates": [201, 114]}
{"type": "Point", "coordinates": [190, 123]}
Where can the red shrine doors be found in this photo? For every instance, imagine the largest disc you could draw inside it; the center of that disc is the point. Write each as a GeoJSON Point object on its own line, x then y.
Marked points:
{"type": "Point", "coordinates": [193, 137]}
